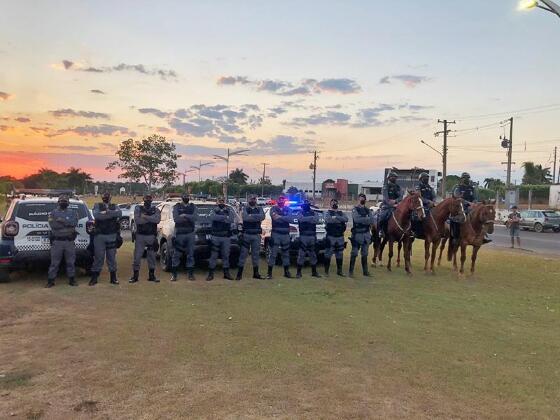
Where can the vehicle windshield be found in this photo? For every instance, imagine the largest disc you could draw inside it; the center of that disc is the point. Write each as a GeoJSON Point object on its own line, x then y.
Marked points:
{"type": "Point", "coordinates": [39, 212]}
{"type": "Point", "coordinates": [551, 213]}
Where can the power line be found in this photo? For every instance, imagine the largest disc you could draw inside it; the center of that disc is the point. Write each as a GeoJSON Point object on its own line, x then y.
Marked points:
{"type": "Point", "coordinates": [542, 108]}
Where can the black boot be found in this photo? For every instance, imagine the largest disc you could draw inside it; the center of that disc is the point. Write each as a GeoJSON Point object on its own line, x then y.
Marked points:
{"type": "Point", "coordinates": [314, 272]}
{"type": "Point", "coordinates": [339, 268]}
{"type": "Point", "coordinates": [174, 274]}
{"type": "Point", "coordinates": [94, 277]}
{"type": "Point", "coordinates": [191, 274]}
{"type": "Point", "coordinates": [269, 273]}
{"type": "Point", "coordinates": [365, 266]}
{"type": "Point", "coordinates": [486, 239]}
{"type": "Point", "coordinates": [72, 281]}
{"type": "Point", "coordinates": [327, 266]}
{"type": "Point", "coordinates": [227, 274]}
{"type": "Point", "coordinates": [50, 283]}
{"type": "Point", "coordinates": [256, 274]}
{"type": "Point", "coordinates": [210, 276]}
{"type": "Point", "coordinates": [152, 276]}
{"type": "Point", "coordinates": [352, 265]}
{"type": "Point", "coordinates": [134, 277]}
{"type": "Point", "coordinates": [298, 273]}
{"type": "Point", "coordinates": [239, 273]}
{"type": "Point", "coordinates": [287, 273]}
{"type": "Point", "coordinates": [114, 277]}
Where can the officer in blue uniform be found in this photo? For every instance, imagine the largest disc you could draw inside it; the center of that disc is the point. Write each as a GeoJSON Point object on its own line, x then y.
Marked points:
{"type": "Point", "coordinates": [146, 218]}
{"type": "Point", "coordinates": [185, 215]}
{"type": "Point", "coordinates": [221, 218]}
{"type": "Point", "coordinates": [426, 191]}
{"type": "Point", "coordinates": [335, 223]}
{"type": "Point", "coordinates": [362, 219]}
{"type": "Point", "coordinates": [392, 195]}
{"type": "Point", "coordinates": [63, 222]}
{"type": "Point", "coordinates": [106, 238]}
{"type": "Point", "coordinates": [307, 221]}
{"type": "Point", "coordinates": [281, 216]}
{"type": "Point", "coordinates": [252, 216]}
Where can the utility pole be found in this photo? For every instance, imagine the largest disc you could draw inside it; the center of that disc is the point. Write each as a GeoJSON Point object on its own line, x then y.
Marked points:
{"type": "Point", "coordinates": [445, 132]}
{"type": "Point", "coordinates": [554, 179]}
{"type": "Point", "coordinates": [509, 153]}
{"type": "Point", "coordinates": [262, 179]}
{"type": "Point", "coordinates": [313, 166]}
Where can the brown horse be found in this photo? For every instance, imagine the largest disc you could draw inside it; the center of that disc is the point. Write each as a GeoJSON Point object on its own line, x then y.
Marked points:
{"type": "Point", "coordinates": [399, 228]}
{"type": "Point", "coordinates": [434, 226]}
{"type": "Point", "coordinates": [480, 220]}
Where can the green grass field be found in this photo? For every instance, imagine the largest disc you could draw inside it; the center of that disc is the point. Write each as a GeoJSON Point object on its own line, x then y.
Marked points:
{"type": "Point", "coordinates": [392, 346]}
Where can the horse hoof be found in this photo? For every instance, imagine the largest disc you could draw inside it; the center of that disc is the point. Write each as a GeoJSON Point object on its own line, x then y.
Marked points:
{"type": "Point", "coordinates": [409, 273]}
{"type": "Point", "coordinates": [389, 269]}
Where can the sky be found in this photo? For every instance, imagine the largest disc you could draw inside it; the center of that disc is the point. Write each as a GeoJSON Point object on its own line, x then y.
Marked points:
{"type": "Point", "coordinates": [361, 82]}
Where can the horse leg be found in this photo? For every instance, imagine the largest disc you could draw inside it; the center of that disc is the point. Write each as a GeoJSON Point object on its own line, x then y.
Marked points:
{"type": "Point", "coordinates": [441, 248]}
{"type": "Point", "coordinates": [463, 258]}
{"type": "Point", "coordinates": [380, 254]}
{"type": "Point", "coordinates": [454, 259]}
{"type": "Point", "coordinates": [433, 259]}
{"type": "Point", "coordinates": [473, 258]}
{"type": "Point", "coordinates": [390, 254]}
{"type": "Point", "coordinates": [426, 253]}
{"type": "Point", "coordinates": [399, 247]}
{"type": "Point", "coordinates": [407, 253]}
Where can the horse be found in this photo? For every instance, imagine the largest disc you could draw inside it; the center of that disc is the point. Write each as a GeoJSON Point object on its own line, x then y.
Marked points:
{"type": "Point", "coordinates": [399, 227]}
{"type": "Point", "coordinates": [480, 220]}
{"type": "Point", "coordinates": [434, 226]}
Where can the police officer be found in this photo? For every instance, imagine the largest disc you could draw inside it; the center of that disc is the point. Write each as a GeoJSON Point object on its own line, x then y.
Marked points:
{"type": "Point", "coordinates": [252, 216]}
{"type": "Point", "coordinates": [362, 218]}
{"type": "Point", "coordinates": [185, 215]}
{"type": "Point", "coordinates": [106, 238]}
{"type": "Point", "coordinates": [426, 191]}
{"type": "Point", "coordinates": [392, 195]}
{"type": "Point", "coordinates": [280, 237]}
{"type": "Point", "coordinates": [63, 222]}
{"type": "Point", "coordinates": [307, 221]}
{"type": "Point", "coordinates": [221, 218]}
{"type": "Point", "coordinates": [146, 218]}
{"type": "Point", "coordinates": [335, 221]}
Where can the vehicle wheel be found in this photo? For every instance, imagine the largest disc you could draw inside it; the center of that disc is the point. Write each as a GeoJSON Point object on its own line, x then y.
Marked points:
{"type": "Point", "coordinates": [538, 228]}
{"type": "Point", "coordinates": [165, 257]}
{"type": "Point", "coordinates": [556, 230]}
{"type": "Point", "coordinates": [124, 224]}
{"type": "Point", "coordinates": [4, 276]}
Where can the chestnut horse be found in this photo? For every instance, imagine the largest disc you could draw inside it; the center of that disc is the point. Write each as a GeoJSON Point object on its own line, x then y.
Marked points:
{"type": "Point", "coordinates": [399, 228]}
{"type": "Point", "coordinates": [480, 220]}
{"type": "Point", "coordinates": [434, 226]}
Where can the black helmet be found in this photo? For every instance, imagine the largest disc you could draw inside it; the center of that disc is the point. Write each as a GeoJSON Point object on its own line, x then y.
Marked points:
{"type": "Point", "coordinates": [423, 175]}
{"type": "Point", "coordinates": [391, 174]}
{"type": "Point", "coordinates": [465, 175]}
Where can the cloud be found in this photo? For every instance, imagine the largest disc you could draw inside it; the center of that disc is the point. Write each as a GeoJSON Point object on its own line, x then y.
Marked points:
{"type": "Point", "coordinates": [75, 148]}
{"type": "Point", "coordinates": [22, 119]}
{"type": "Point", "coordinates": [408, 80]}
{"type": "Point", "coordinates": [281, 145]}
{"type": "Point", "coordinates": [4, 127]}
{"type": "Point", "coordinates": [97, 91]}
{"type": "Point", "coordinates": [68, 112]}
{"type": "Point", "coordinates": [154, 111]}
{"type": "Point", "coordinates": [4, 96]}
{"type": "Point", "coordinates": [95, 131]}
{"type": "Point", "coordinates": [324, 118]}
{"type": "Point", "coordinates": [138, 68]}
{"type": "Point", "coordinates": [305, 87]}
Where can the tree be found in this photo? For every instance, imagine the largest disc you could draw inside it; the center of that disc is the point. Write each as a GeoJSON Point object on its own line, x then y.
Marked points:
{"type": "Point", "coordinates": [237, 176]}
{"type": "Point", "coordinates": [75, 178]}
{"type": "Point", "coordinates": [450, 182]}
{"type": "Point", "coordinates": [151, 159]}
{"type": "Point", "coordinates": [265, 181]}
{"type": "Point", "coordinates": [494, 184]}
{"type": "Point", "coordinates": [536, 174]}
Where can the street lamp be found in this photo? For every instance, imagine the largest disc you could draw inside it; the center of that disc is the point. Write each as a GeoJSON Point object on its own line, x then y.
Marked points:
{"type": "Point", "coordinates": [226, 159]}
{"type": "Point", "coordinates": [184, 173]}
{"type": "Point", "coordinates": [547, 5]}
{"type": "Point", "coordinates": [199, 167]}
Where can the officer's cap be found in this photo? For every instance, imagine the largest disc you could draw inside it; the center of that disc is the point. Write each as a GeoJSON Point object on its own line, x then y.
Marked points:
{"type": "Point", "coordinates": [362, 195]}
{"type": "Point", "coordinates": [184, 195]}
{"type": "Point", "coordinates": [63, 197]}
{"type": "Point", "coordinates": [147, 197]}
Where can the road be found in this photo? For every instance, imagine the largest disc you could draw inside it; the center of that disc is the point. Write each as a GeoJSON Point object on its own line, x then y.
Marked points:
{"type": "Point", "coordinates": [542, 243]}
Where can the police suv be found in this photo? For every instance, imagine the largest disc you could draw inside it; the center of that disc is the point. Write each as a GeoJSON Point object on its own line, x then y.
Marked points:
{"type": "Point", "coordinates": [25, 232]}
{"type": "Point", "coordinates": [202, 229]}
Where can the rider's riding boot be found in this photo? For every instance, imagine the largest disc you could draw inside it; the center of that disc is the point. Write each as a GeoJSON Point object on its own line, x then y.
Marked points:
{"type": "Point", "coordinates": [152, 276]}
{"type": "Point", "coordinates": [72, 281]}
{"type": "Point", "coordinates": [50, 283]}
{"type": "Point", "coordinates": [227, 274]}
{"type": "Point", "coordinates": [298, 273]}
{"type": "Point", "coordinates": [210, 276]}
{"type": "Point", "coordinates": [365, 266]}
{"type": "Point", "coordinates": [287, 273]}
{"type": "Point", "coordinates": [239, 273]}
{"type": "Point", "coordinates": [314, 272]}
{"type": "Point", "coordinates": [174, 274]}
{"type": "Point", "coordinates": [256, 274]}
{"type": "Point", "coordinates": [352, 265]}
{"type": "Point", "coordinates": [327, 266]}
{"type": "Point", "coordinates": [339, 268]}
{"type": "Point", "coordinates": [191, 274]}
{"type": "Point", "coordinates": [114, 279]}
{"type": "Point", "coordinates": [269, 273]}
{"type": "Point", "coordinates": [486, 239]}
{"type": "Point", "coordinates": [134, 277]}
{"type": "Point", "coordinates": [94, 277]}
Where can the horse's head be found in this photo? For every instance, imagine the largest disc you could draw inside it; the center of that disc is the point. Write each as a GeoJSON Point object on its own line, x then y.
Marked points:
{"type": "Point", "coordinates": [414, 204]}
{"type": "Point", "coordinates": [486, 214]}
{"type": "Point", "coordinates": [457, 209]}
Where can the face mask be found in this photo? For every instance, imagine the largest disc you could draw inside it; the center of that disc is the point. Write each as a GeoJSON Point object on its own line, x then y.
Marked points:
{"type": "Point", "coordinates": [335, 206]}
{"type": "Point", "coordinates": [252, 203]}
{"type": "Point", "coordinates": [63, 205]}
{"type": "Point", "coordinates": [147, 203]}
{"type": "Point", "coordinates": [362, 201]}
{"type": "Point", "coordinates": [106, 199]}
{"type": "Point", "coordinates": [221, 205]}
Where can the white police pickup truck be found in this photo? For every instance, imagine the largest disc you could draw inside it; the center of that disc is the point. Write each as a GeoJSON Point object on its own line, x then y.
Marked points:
{"type": "Point", "coordinates": [25, 232]}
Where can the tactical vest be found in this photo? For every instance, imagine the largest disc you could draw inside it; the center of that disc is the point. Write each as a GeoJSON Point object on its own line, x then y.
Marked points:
{"type": "Point", "coordinates": [426, 191]}
{"type": "Point", "coordinates": [361, 227]}
{"type": "Point", "coordinates": [147, 228]}
{"type": "Point", "coordinates": [252, 228]}
{"type": "Point", "coordinates": [308, 228]}
{"type": "Point", "coordinates": [467, 191]}
{"type": "Point", "coordinates": [107, 226]}
{"type": "Point", "coordinates": [184, 227]}
{"type": "Point", "coordinates": [335, 230]}
{"type": "Point", "coordinates": [220, 228]}
{"type": "Point", "coordinates": [280, 226]}
{"type": "Point", "coordinates": [393, 191]}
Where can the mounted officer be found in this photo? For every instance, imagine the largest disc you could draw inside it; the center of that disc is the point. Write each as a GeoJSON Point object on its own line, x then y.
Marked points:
{"type": "Point", "coordinates": [335, 222]}
{"type": "Point", "coordinates": [426, 191]}
{"type": "Point", "coordinates": [221, 218]}
{"type": "Point", "coordinates": [63, 222]}
{"type": "Point", "coordinates": [107, 238]}
{"type": "Point", "coordinates": [307, 221]}
{"type": "Point", "coordinates": [185, 215]}
{"type": "Point", "coordinates": [281, 216]}
{"type": "Point", "coordinates": [146, 218]}
{"type": "Point", "coordinates": [252, 216]}
{"type": "Point", "coordinates": [392, 195]}
{"type": "Point", "coordinates": [362, 218]}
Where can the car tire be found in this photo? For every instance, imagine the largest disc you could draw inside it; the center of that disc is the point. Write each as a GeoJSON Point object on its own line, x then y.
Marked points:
{"type": "Point", "coordinates": [165, 257]}
{"type": "Point", "coordinates": [124, 224]}
{"type": "Point", "coordinates": [556, 230]}
{"type": "Point", "coordinates": [538, 227]}
{"type": "Point", "coordinates": [4, 276]}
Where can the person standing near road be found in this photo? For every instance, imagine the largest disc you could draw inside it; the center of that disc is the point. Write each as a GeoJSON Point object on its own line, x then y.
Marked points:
{"type": "Point", "coordinates": [146, 218]}
{"type": "Point", "coordinates": [253, 216]}
{"type": "Point", "coordinates": [221, 218]}
{"type": "Point", "coordinates": [63, 222]}
{"type": "Point", "coordinates": [307, 221]}
{"type": "Point", "coordinates": [185, 215]}
{"type": "Point", "coordinates": [514, 218]}
{"type": "Point", "coordinates": [362, 218]}
{"type": "Point", "coordinates": [280, 237]}
{"type": "Point", "coordinates": [106, 238]}
{"type": "Point", "coordinates": [335, 222]}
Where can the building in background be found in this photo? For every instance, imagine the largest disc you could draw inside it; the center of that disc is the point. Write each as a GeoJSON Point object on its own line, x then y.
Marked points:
{"type": "Point", "coordinates": [335, 189]}
{"type": "Point", "coordinates": [305, 187]}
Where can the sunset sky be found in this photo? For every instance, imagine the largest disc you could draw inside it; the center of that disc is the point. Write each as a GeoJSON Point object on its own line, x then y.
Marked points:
{"type": "Point", "coordinates": [360, 81]}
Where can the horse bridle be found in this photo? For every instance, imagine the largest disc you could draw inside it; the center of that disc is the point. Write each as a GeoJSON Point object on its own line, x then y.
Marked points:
{"type": "Point", "coordinates": [410, 221]}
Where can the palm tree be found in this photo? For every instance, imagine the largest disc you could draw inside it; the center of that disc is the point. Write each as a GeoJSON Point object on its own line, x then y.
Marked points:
{"type": "Point", "coordinates": [237, 176]}
{"type": "Point", "coordinates": [536, 174]}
